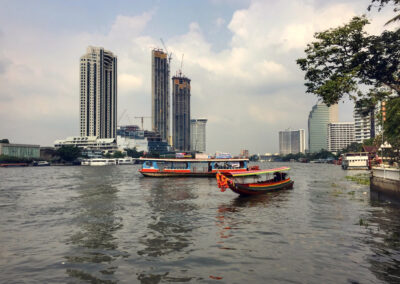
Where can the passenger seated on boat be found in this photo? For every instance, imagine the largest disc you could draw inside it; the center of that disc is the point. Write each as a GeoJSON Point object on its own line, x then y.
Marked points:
{"type": "Point", "coordinates": [277, 177]}
{"type": "Point", "coordinates": [283, 176]}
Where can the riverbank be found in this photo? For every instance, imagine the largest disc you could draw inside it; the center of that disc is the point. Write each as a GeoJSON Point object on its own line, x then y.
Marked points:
{"type": "Point", "coordinates": [386, 180]}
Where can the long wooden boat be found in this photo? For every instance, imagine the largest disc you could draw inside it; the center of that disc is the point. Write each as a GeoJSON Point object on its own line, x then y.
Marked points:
{"type": "Point", "coordinates": [255, 182]}
{"type": "Point", "coordinates": [182, 167]}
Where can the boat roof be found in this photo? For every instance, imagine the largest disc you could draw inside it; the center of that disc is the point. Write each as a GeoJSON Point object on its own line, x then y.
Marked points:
{"type": "Point", "coordinates": [192, 160]}
{"type": "Point", "coordinates": [259, 172]}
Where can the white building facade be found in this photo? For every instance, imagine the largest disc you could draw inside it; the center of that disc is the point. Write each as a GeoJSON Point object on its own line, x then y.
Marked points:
{"type": "Point", "coordinates": [98, 93]}
{"type": "Point", "coordinates": [292, 141]}
{"type": "Point", "coordinates": [366, 126]}
{"type": "Point", "coordinates": [340, 135]}
{"type": "Point", "coordinates": [198, 134]}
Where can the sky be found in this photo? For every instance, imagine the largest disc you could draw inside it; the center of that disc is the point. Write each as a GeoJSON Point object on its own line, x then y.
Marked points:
{"type": "Point", "coordinates": [239, 54]}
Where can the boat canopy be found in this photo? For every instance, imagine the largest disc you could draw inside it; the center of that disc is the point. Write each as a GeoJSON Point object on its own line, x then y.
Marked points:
{"type": "Point", "coordinates": [193, 160]}
{"type": "Point", "coordinates": [259, 172]}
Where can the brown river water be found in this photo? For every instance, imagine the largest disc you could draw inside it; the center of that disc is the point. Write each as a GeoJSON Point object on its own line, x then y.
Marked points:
{"type": "Point", "coordinates": [111, 225]}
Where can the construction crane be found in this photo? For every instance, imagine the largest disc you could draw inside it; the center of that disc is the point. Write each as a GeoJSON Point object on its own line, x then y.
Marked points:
{"type": "Point", "coordinates": [169, 55]}
{"type": "Point", "coordinates": [142, 118]}
{"type": "Point", "coordinates": [121, 116]}
{"type": "Point", "coordinates": [180, 71]}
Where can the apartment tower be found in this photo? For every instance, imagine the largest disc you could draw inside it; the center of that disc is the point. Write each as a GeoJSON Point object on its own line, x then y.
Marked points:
{"type": "Point", "coordinates": [340, 135]}
{"type": "Point", "coordinates": [181, 112]}
{"type": "Point", "coordinates": [160, 101]}
{"type": "Point", "coordinates": [318, 120]}
{"type": "Point", "coordinates": [198, 134]}
{"type": "Point", "coordinates": [292, 142]}
{"type": "Point", "coordinates": [366, 124]}
{"type": "Point", "coordinates": [98, 89]}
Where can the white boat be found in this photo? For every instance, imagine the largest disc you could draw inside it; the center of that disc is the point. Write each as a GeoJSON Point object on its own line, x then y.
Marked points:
{"type": "Point", "coordinates": [125, 161]}
{"type": "Point", "coordinates": [41, 163]}
{"type": "Point", "coordinates": [355, 161]}
{"type": "Point", "coordinates": [99, 162]}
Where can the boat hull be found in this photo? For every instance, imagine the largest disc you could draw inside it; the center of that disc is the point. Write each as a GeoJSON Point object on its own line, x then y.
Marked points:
{"type": "Point", "coordinates": [256, 189]}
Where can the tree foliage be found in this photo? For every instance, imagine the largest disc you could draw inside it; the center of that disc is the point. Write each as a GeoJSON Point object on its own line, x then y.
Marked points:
{"type": "Point", "coordinates": [5, 141]}
{"type": "Point", "coordinates": [392, 124]}
{"type": "Point", "coordinates": [382, 3]}
{"type": "Point", "coordinates": [346, 61]}
{"type": "Point", "coordinates": [118, 154]}
{"type": "Point", "coordinates": [134, 153]}
{"type": "Point", "coordinates": [68, 153]}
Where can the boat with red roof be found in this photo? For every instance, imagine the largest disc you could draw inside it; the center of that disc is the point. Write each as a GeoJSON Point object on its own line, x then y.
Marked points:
{"type": "Point", "coordinates": [256, 181]}
{"type": "Point", "coordinates": [188, 167]}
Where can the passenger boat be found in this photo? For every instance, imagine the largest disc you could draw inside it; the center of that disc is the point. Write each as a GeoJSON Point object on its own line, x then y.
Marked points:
{"type": "Point", "coordinates": [255, 182]}
{"type": "Point", "coordinates": [182, 167]}
{"type": "Point", "coordinates": [125, 161]}
{"type": "Point", "coordinates": [41, 163]}
{"type": "Point", "coordinates": [355, 161]}
{"type": "Point", "coordinates": [98, 162]}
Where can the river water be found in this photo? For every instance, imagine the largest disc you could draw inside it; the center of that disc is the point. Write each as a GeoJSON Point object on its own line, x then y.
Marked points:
{"type": "Point", "coordinates": [110, 224]}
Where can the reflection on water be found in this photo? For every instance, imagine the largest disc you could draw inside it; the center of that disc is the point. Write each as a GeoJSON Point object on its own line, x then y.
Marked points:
{"type": "Point", "coordinates": [93, 242]}
{"type": "Point", "coordinates": [384, 228]}
{"type": "Point", "coordinates": [171, 220]}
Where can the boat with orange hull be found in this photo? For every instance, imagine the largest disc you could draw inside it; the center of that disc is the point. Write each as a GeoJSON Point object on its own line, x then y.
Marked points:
{"type": "Point", "coordinates": [185, 167]}
{"type": "Point", "coordinates": [255, 182]}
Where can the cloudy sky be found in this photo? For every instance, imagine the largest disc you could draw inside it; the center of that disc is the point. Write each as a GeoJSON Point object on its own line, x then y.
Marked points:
{"type": "Point", "coordinates": [239, 54]}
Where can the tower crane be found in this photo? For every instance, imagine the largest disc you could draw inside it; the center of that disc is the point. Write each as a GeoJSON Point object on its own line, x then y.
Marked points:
{"type": "Point", "coordinates": [142, 118]}
{"type": "Point", "coordinates": [169, 55]}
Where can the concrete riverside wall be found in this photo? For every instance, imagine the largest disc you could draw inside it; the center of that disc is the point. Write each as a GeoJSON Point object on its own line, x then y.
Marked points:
{"type": "Point", "coordinates": [386, 180]}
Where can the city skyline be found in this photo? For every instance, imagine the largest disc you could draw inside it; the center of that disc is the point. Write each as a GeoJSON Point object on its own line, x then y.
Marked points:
{"type": "Point", "coordinates": [243, 73]}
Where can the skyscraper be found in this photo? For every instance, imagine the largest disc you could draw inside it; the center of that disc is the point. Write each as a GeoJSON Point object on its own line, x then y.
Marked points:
{"type": "Point", "coordinates": [198, 134]}
{"type": "Point", "coordinates": [160, 101]}
{"type": "Point", "coordinates": [318, 120]}
{"type": "Point", "coordinates": [98, 89]}
{"type": "Point", "coordinates": [181, 112]}
{"type": "Point", "coordinates": [292, 141]}
{"type": "Point", "coordinates": [340, 135]}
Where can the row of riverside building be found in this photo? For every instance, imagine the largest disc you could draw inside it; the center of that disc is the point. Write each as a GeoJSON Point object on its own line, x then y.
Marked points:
{"type": "Point", "coordinates": [98, 109]}
{"type": "Point", "coordinates": [327, 133]}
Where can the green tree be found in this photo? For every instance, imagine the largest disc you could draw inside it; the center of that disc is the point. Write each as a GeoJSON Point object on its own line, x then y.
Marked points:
{"type": "Point", "coordinates": [118, 154]}
{"type": "Point", "coordinates": [346, 61]}
{"type": "Point", "coordinates": [382, 3]}
{"type": "Point", "coordinates": [68, 153]}
{"type": "Point", "coordinates": [5, 141]}
{"type": "Point", "coordinates": [391, 126]}
{"type": "Point", "coordinates": [134, 153]}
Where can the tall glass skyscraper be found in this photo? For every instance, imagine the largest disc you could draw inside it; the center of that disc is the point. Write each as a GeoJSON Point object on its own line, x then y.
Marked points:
{"type": "Point", "coordinates": [318, 120]}
{"type": "Point", "coordinates": [98, 93]}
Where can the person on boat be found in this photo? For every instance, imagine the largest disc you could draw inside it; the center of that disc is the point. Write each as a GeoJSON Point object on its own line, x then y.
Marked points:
{"type": "Point", "coordinates": [283, 175]}
{"type": "Point", "coordinates": [277, 176]}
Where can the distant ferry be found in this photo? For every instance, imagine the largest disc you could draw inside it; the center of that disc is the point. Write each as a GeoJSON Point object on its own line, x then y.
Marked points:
{"type": "Point", "coordinates": [355, 161]}
{"type": "Point", "coordinates": [107, 162]}
{"type": "Point", "coordinates": [99, 162]}
{"type": "Point", "coordinates": [182, 167]}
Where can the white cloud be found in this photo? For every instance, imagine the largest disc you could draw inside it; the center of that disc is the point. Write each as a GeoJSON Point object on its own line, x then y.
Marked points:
{"type": "Point", "coordinates": [248, 91]}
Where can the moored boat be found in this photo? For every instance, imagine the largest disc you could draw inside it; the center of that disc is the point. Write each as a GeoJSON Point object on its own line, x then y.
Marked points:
{"type": "Point", "coordinates": [182, 167]}
{"type": "Point", "coordinates": [255, 182]}
{"type": "Point", "coordinates": [98, 162]}
{"type": "Point", "coordinates": [355, 161]}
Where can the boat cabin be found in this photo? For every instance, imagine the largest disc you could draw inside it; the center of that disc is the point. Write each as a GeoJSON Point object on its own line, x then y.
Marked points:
{"type": "Point", "coordinates": [191, 167]}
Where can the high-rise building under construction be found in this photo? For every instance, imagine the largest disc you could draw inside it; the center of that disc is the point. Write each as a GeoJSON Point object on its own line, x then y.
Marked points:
{"type": "Point", "coordinates": [181, 112]}
{"type": "Point", "coordinates": [160, 101]}
{"type": "Point", "coordinates": [98, 93]}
